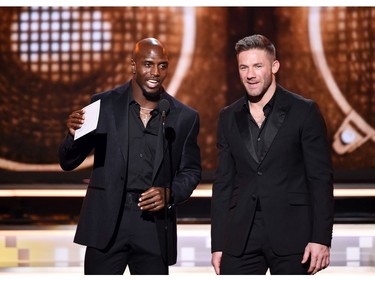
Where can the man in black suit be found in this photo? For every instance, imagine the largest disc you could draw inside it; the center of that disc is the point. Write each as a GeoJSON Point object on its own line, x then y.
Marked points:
{"type": "Point", "coordinates": [146, 162]}
{"type": "Point", "coordinates": [272, 202]}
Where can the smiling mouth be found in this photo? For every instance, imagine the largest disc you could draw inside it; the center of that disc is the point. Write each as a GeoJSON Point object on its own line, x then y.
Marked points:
{"type": "Point", "coordinates": [252, 84]}
{"type": "Point", "coordinates": [152, 83]}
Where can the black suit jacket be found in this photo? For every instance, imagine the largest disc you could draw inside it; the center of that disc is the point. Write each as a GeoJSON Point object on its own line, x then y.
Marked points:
{"type": "Point", "coordinates": [293, 178]}
{"type": "Point", "coordinates": [104, 197]}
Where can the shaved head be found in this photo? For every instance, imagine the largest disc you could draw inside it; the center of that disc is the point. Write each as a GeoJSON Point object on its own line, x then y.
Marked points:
{"type": "Point", "coordinates": [149, 67]}
{"type": "Point", "coordinates": [147, 43]}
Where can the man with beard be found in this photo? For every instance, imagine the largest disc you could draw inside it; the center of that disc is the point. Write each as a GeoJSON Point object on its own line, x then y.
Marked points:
{"type": "Point", "coordinates": [272, 202]}
{"type": "Point", "coordinates": [146, 162]}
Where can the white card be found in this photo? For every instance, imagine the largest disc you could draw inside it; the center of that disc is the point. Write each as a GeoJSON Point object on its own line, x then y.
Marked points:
{"type": "Point", "coordinates": [91, 119]}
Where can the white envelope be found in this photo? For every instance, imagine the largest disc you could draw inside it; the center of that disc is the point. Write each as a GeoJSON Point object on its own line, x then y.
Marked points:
{"type": "Point", "coordinates": [91, 119]}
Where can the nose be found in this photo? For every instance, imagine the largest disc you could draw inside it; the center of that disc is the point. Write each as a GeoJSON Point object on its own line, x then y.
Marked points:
{"type": "Point", "coordinates": [250, 73]}
{"type": "Point", "coordinates": [155, 71]}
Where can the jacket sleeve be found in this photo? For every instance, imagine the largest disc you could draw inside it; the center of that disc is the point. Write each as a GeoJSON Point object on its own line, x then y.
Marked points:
{"type": "Point", "coordinates": [73, 152]}
{"type": "Point", "coordinates": [188, 174]}
{"type": "Point", "coordinates": [222, 188]}
{"type": "Point", "coordinates": [318, 166]}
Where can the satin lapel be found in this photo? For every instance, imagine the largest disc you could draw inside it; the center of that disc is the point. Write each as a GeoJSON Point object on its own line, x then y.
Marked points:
{"type": "Point", "coordinates": [121, 115]}
{"type": "Point", "coordinates": [275, 121]}
{"type": "Point", "coordinates": [242, 120]}
{"type": "Point", "coordinates": [162, 145]}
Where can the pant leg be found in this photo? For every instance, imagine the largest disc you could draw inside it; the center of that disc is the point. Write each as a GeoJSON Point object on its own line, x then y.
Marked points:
{"type": "Point", "coordinates": [277, 264]}
{"type": "Point", "coordinates": [145, 256]}
{"type": "Point", "coordinates": [258, 256]}
{"type": "Point", "coordinates": [252, 261]}
{"type": "Point", "coordinates": [135, 244]}
{"type": "Point", "coordinates": [105, 262]}
{"type": "Point", "coordinates": [246, 264]}
{"type": "Point", "coordinates": [286, 265]}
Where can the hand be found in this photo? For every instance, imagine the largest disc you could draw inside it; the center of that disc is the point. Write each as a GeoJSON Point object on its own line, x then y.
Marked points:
{"type": "Point", "coordinates": [153, 199]}
{"type": "Point", "coordinates": [319, 257]}
{"type": "Point", "coordinates": [75, 121]}
{"type": "Point", "coordinates": [216, 260]}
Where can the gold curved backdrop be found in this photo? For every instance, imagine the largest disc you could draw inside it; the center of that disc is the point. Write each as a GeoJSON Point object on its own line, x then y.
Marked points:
{"type": "Point", "coordinates": [54, 58]}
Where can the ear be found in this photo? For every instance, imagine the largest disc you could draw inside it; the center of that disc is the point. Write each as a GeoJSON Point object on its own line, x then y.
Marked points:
{"type": "Point", "coordinates": [275, 66]}
{"type": "Point", "coordinates": [132, 62]}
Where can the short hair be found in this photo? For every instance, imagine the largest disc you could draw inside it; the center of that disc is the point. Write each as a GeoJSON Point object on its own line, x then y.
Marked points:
{"type": "Point", "coordinates": [256, 41]}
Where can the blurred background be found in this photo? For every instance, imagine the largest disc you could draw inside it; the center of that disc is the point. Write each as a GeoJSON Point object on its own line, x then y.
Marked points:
{"type": "Point", "coordinates": [53, 59]}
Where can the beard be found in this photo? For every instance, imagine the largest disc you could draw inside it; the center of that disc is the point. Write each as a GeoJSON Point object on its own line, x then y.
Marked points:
{"type": "Point", "coordinates": [257, 96]}
{"type": "Point", "coordinates": [152, 96]}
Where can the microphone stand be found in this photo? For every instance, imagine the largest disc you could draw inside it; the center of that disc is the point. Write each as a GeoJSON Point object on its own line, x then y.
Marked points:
{"type": "Point", "coordinates": [163, 116]}
{"type": "Point", "coordinates": [169, 142]}
{"type": "Point", "coordinates": [164, 108]}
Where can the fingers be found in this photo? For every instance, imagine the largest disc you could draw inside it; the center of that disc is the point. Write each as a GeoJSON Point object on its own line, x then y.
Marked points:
{"type": "Point", "coordinates": [306, 255]}
{"type": "Point", "coordinates": [75, 120]}
{"type": "Point", "coordinates": [313, 267]}
{"type": "Point", "coordinates": [152, 199]}
{"type": "Point", "coordinates": [215, 261]}
{"type": "Point", "coordinates": [317, 265]}
{"type": "Point", "coordinates": [149, 205]}
{"type": "Point", "coordinates": [217, 269]}
{"type": "Point", "coordinates": [319, 257]}
{"type": "Point", "coordinates": [324, 263]}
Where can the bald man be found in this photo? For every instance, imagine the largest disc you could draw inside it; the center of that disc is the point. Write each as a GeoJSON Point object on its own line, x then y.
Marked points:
{"type": "Point", "coordinates": [140, 173]}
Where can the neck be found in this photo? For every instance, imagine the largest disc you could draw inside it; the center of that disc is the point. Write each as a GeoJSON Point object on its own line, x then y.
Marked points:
{"type": "Point", "coordinates": [141, 99]}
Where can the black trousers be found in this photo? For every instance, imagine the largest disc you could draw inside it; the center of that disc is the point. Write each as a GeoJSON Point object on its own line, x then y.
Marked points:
{"type": "Point", "coordinates": [136, 245]}
{"type": "Point", "coordinates": [258, 256]}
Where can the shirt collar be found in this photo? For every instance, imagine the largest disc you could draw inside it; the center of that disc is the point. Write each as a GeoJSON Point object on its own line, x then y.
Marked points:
{"type": "Point", "coordinates": [266, 109]}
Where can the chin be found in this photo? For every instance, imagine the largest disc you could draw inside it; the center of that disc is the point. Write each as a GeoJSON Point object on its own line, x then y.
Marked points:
{"type": "Point", "coordinates": [152, 96]}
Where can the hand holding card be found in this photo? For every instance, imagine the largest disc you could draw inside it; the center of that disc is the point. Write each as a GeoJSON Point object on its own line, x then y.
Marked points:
{"type": "Point", "coordinates": [91, 119]}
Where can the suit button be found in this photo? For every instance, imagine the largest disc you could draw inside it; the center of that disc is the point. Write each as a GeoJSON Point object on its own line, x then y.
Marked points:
{"type": "Point", "coordinates": [254, 197]}
{"type": "Point", "coordinates": [259, 173]}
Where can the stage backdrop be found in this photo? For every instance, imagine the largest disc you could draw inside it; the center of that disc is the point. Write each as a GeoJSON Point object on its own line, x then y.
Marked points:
{"type": "Point", "coordinates": [54, 58]}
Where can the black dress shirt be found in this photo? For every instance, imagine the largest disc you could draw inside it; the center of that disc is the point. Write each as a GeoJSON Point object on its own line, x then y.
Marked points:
{"type": "Point", "coordinates": [142, 148]}
{"type": "Point", "coordinates": [257, 134]}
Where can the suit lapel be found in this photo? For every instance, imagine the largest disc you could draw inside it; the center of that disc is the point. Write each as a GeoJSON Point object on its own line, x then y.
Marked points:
{"type": "Point", "coordinates": [242, 120]}
{"type": "Point", "coordinates": [120, 104]}
{"type": "Point", "coordinates": [275, 121]}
